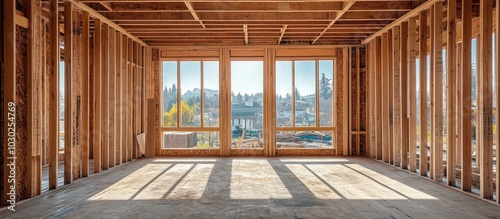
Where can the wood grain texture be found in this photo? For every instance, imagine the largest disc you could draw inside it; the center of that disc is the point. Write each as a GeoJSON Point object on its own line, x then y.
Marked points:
{"type": "Point", "coordinates": [485, 129]}
{"type": "Point", "coordinates": [451, 91]}
{"type": "Point", "coordinates": [466, 87]}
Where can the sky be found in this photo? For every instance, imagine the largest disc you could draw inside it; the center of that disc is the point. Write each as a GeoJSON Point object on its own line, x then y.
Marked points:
{"type": "Point", "coordinates": [247, 76]}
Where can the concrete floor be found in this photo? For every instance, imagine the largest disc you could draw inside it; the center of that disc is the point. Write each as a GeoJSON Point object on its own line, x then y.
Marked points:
{"type": "Point", "coordinates": [254, 188]}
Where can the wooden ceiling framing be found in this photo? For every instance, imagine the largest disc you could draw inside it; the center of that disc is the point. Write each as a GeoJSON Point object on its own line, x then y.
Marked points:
{"type": "Point", "coordinates": [252, 22]}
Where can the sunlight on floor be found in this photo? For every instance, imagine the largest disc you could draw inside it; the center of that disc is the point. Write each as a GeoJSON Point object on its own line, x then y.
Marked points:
{"type": "Point", "coordinates": [313, 183]}
{"type": "Point", "coordinates": [391, 184]}
{"type": "Point", "coordinates": [256, 179]}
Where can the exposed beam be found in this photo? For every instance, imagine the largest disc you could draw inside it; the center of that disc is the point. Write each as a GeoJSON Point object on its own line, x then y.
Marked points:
{"type": "Point", "coordinates": [282, 33]}
{"type": "Point", "coordinates": [107, 5]}
{"type": "Point", "coordinates": [405, 17]}
{"type": "Point", "coordinates": [338, 16]}
{"type": "Point", "coordinates": [245, 31]}
{"type": "Point", "coordinates": [195, 16]}
{"type": "Point", "coordinates": [105, 20]}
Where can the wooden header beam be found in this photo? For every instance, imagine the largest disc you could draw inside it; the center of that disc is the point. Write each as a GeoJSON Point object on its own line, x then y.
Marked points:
{"type": "Point", "coordinates": [337, 17]}
{"type": "Point", "coordinates": [405, 17]}
{"type": "Point", "coordinates": [105, 20]}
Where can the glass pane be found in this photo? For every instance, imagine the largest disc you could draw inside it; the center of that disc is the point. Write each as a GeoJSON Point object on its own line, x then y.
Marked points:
{"type": "Point", "coordinates": [190, 93]}
{"type": "Point", "coordinates": [304, 139]}
{"type": "Point", "coordinates": [284, 93]}
{"type": "Point", "coordinates": [211, 93]}
{"type": "Point", "coordinates": [325, 92]}
{"type": "Point", "coordinates": [246, 103]}
{"type": "Point", "coordinates": [169, 95]}
{"type": "Point", "coordinates": [192, 140]}
{"type": "Point", "coordinates": [305, 93]}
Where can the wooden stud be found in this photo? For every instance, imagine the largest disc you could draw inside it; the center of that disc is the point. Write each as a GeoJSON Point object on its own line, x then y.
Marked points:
{"type": "Point", "coordinates": [34, 86]}
{"type": "Point", "coordinates": [412, 38]}
{"type": "Point", "coordinates": [466, 96]}
{"type": "Point", "coordinates": [124, 105]}
{"type": "Point", "coordinates": [9, 88]}
{"type": "Point", "coordinates": [358, 110]}
{"type": "Point", "coordinates": [485, 130]}
{"type": "Point", "coordinates": [430, 50]}
{"type": "Point", "coordinates": [130, 73]}
{"type": "Point", "coordinates": [451, 74]}
{"type": "Point", "coordinates": [112, 97]}
{"type": "Point", "coordinates": [104, 97]}
{"type": "Point", "coordinates": [379, 94]}
{"type": "Point", "coordinates": [68, 92]}
{"type": "Point", "coordinates": [118, 99]}
{"type": "Point", "coordinates": [97, 93]}
{"type": "Point", "coordinates": [404, 94]}
{"type": "Point", "coordinates": [385, 99]}
{"type": "Point", "coordinates": [459, 99]}
{"type": "Point", "coordinates": [396, 90]}
{"type": "Point", "coordinates": [390, 68]}
{"type": "Point", "coordinates": [423, 92]}
{"type": "Point", "coordinates": [438, 128]}
{"type": "Point", "coordinates": [345, 104]}
{"type": "Point", "coordinates": [225, 100]}
{"type": "Point", "coordinates": [54, 59]}
{"type": "Point", "coordinates": [85, 94]}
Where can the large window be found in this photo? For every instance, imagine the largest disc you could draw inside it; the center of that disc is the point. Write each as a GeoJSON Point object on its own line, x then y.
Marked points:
{"type": "Point", "coordinates": [304, 103]}
{"type": "Point", "coordinates": [190, 104]}
{"type": "Point", "coordinates": [247, 84]}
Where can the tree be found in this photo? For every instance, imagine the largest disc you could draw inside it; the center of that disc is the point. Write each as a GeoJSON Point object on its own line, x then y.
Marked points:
{"type": "Point", "coordinates": [170, 117]}
{"type": "Point", "coordinates": [297, 94]}
{"type": "Point", "coordinates": [325, 87]}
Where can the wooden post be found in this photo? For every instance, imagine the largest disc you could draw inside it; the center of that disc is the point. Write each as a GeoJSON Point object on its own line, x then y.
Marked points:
{"type": "Point", "coordinates": [104, 98]}
{"type": "Point", "coordinates": [438, 94]}
{"type": "Point", "coordinates": [124, 76]}
{"type": "Point", "coordinates": [451, 74]}
{"type": "Point", "coordinates": [151, 127]}
{"type": "Point", "coordinates": [431, 92]}
{"type": "Point", "coordinates": [404, 95]}
{"type": "Point", "coordinates": [9, 89]}
{"type": "Point", "coordinates": [390, 84]}
{"type": "Point", "coordinates": [423, 93]}
{"type": "Point", "coordinates": [111, 96]}
{"type": "Point", "coordinates": [85, 93]}
{"type": "Point", "coordinates": [485, 131]}
{"type": "Point", "coordinates": [54, 117]}
{"type": "Point", "coordinates": [385, 99]}
{"type": "Point", "coordinates": [379, 93]}
{"type": "Point", "coordinates": [466, 95]}
{"type": "Point", "coordinates": [118, 99]}
{"type": "Point", "coordinates": [97, 76]}
{"type": "Point", "coordinates": [130, 89]}
{"type": "Point", "coordinates": [396, 90]}
{"type": "Point", "coordinates": [68, 92]}
{"type": "Point", "coordinates": [412, 38]}
{"type": "Point", "coordinates": [34, 86]}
